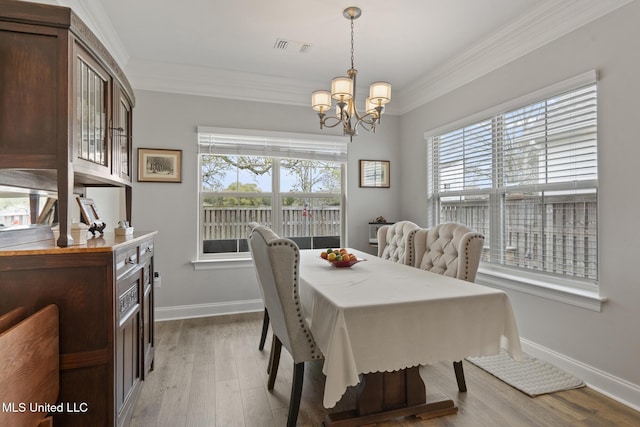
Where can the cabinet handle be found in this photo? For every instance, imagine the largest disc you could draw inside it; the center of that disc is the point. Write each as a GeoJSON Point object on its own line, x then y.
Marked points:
{"type": "Point", "coordinates": [131, 259]}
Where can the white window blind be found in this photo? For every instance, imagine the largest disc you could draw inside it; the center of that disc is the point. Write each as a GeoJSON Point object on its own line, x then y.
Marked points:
{"type": "Point", "coordinates": [527, 178]}
{"type": "Point", "coordinates": [271, 144]}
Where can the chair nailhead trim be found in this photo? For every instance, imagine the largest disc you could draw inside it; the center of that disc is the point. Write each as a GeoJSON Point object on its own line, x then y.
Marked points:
{"type": "Point", "coordinates": [296, 299]}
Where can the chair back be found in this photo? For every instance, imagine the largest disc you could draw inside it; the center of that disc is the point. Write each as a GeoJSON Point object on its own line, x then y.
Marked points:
{"type": "Point", "coordinates": [277, 263]}
{"type": "Point", "coordinates": [250, 227]}
{"type": "Point", "coordinates": [394, 241]}
{"type": "Point", "coordinates": [450, 248]}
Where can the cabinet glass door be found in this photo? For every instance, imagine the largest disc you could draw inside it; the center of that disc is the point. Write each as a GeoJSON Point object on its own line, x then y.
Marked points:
{"type": "Point", "coordinates": [92, 114]}
{"type": "Point", "coordinates": [122, 138]}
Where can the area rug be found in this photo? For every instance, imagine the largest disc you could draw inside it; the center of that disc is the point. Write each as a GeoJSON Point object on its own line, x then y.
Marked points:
{"type": "Point", "coordinates": [531, 376]}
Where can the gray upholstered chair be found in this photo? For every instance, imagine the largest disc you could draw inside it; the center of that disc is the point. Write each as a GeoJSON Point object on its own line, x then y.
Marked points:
{"type": "Point", "coordinates": [277, 262]}
{"type": "Point", "coordinates": [394, 241]}
{"type": "Point", "coordinates": [453, 250]}
{"type": "Point", "coordinates": [265, 319]}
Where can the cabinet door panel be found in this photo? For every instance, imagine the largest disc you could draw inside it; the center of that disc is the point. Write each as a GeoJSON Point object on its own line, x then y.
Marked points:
{"type": "Point", "coordinates": [128, 342]}
{"type": "Point", "coordinates": [30, 74]}
{"type": "Point", "coordinates": [121, 135]}
{"type": "Point", "coordinates": [92, 101]}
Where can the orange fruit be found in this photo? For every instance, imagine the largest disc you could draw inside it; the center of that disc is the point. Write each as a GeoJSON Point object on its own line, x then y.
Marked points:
{"type": "Point", "coordinates": [352, 257]}
{"type": "Point", "coordinates": [324, 254]}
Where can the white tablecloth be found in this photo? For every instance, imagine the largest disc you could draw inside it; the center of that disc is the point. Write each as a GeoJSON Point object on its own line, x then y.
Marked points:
{"type": "Point", "coordinates": [383, 316]}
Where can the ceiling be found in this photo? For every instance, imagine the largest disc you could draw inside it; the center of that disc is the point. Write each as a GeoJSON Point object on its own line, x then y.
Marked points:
{"type": "Point", "coordinates": [422, 47]}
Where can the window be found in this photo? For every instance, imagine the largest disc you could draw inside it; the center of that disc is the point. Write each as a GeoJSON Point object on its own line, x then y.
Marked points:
{"type": "Point", "coordinates": [291, 183]}
{"type": "Point", "coordinates": [527, 177]}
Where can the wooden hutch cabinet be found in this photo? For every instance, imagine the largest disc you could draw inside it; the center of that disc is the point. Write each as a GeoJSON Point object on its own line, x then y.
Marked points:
{"type": "Point", "coordinates": [66, 124]}
{"type": "Point", "coordinates": [104, 294]}
{"type": "Point", "coordinates": [65, 110]}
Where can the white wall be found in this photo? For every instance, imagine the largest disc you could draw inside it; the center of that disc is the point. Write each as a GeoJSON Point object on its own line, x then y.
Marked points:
{"type": "Point", "coordinates": [163, 120]}
{"type": "Point", "coordinates": [603, 347]}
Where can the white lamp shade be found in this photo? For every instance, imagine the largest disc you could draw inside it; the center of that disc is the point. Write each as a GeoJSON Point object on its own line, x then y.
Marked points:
{"type": "Point", "coordinates": [321, 101]}
{"type": "Point", "coordinates": [380, 93]}
{"type": "Point", "coordinates": [342, 88]}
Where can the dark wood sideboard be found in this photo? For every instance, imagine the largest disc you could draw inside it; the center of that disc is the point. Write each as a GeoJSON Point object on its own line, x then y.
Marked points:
{"type": "Point", "coordinates": [104, 293]}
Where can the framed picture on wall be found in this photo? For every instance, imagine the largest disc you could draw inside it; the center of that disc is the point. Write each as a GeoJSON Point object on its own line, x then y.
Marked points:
{"type": "Point", "coordinates": [159, 165]}
{"type": "Point", "coordinates": [375, 173]}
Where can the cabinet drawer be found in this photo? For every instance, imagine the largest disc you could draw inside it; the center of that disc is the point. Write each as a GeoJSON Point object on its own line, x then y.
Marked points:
{"type": "Point", "coordinates": [126, 259]}
{"type": "Point", "coordinates": [146, 250]}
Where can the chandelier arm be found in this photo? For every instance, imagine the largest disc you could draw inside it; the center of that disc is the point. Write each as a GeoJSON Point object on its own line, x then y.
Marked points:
{"type": "Point", "coordinates": [324, 121]}
{"type": "Point", "coordinates": [369, 119]}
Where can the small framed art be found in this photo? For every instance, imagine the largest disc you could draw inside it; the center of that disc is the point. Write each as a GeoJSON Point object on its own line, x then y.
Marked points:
{"type": "Point", "coordinates": [375, 173]}
{"type": "Point", "coordinates": [159, 165]}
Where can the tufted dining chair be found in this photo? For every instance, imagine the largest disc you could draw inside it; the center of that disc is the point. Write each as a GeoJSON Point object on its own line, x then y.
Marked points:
{"type": "Point", "coordinates": [265, 319]}
{"type": "Point", "coordinates": [394, 241]}
{"type": "Point", "coordinates": [451, 249]}
{"type": "Point", "coordinates": [277, 263]}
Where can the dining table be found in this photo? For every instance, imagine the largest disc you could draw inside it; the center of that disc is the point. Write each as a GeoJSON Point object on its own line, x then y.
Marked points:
{"type": "Point", "coordinates": [377, 322]}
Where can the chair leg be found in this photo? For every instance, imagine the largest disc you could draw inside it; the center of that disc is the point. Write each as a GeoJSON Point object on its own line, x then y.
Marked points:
{"type": "Point", "coordinates": [265, 328]}
{"type": "Point", "coordinates": [296, 394]}
{"type": "Point", "coordinates": [274, 361]}
{"type": "Point", "coordinates": [459, 370]}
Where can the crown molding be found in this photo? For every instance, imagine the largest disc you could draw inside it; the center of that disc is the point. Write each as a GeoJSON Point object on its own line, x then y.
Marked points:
{"type": "Point", "coordinates": [216, 82]}
{"type": "Point", "coordinates": [94, 16]}
{"type": "Point", "coordinates": [101, 25]}
{"type": "Point", "coordinates": [545, 23]}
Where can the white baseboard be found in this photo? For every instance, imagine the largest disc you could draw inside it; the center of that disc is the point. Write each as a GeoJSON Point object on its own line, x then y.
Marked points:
{"type": "Point", "coordinates": [205, 310]}
{"type": "Point", "coordinates": [616, 388]}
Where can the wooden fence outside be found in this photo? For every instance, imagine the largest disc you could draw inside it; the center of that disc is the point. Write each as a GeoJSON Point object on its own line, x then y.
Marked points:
{"type": "Point", "coordinates": [297, 221]}
{"type": "Point", "coordinates": [556, 236]}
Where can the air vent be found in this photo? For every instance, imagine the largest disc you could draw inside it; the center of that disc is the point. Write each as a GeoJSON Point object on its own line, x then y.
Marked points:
{"type": "Point", "coordinates": [291, 46]}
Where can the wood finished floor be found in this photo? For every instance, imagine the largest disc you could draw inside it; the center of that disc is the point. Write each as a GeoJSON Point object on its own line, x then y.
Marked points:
{"type": "Point", "coordinates": [209, 373]}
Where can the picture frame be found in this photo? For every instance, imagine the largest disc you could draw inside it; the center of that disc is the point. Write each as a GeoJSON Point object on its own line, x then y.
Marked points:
{"type": "Point", "coordinates": [90, 216]}
{"type": "Point", "coordinates": [159, 165]}
{"type": "Point", "coordinates": [375, 173]}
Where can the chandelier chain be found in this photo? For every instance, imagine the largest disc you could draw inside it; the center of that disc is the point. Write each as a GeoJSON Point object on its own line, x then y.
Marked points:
{"type": "Point", "coordinates": [352, 43]}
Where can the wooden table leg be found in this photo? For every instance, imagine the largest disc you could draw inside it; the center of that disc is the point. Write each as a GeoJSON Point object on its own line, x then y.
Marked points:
{"type": "Point", "coordinates": [386, 395]}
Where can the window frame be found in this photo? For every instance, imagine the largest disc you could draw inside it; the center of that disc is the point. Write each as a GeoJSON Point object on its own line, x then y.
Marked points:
{"type": "Point", "coordinates": [276, 194]}
{"type": "Point", "coordinates": [582, 292]}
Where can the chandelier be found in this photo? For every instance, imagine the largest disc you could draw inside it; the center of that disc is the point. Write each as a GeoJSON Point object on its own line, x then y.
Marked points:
{"type": "Point", "coordinates": [343, 90]}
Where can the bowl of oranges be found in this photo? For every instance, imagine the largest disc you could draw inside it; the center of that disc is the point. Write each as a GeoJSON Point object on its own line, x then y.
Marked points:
{"type": "Point", "coordinates": [340, 257]}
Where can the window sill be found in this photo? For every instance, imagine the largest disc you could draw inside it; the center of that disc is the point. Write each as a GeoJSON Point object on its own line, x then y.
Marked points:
{"type": "Point", "coordinates": [584, 298]}
{"type": "Point", "coordinates": [222, 263]}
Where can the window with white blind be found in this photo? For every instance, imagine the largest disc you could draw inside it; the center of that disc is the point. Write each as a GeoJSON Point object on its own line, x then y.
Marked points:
{"type": "Point", "coordinates": [292, 183]}
{"type": "Point", "coordinates": [526, 175]}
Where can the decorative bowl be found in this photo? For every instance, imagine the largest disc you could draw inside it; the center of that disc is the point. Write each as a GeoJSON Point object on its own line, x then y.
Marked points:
{"type": "Point", "coordinates": [343, 264]}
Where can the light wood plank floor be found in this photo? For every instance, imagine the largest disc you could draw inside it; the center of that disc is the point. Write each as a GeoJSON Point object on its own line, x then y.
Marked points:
{"type": "Point", "coordinates": [209, 372]}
